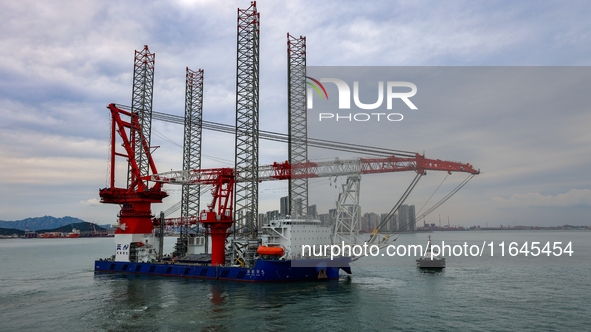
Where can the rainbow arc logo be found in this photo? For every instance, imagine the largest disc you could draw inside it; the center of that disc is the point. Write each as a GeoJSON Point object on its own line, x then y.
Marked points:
{"type": "Point", "coordinates": [317, 86]}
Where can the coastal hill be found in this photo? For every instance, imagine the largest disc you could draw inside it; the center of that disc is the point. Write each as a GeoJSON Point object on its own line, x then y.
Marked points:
{"type": "Point", "coordinates": [40, 223]}
{"type": "Point", "coordinates": [11, 231]}
{"type": "Point", "coordinates": [84, 228]}
{"type": "Point", "coordinates": [81, 226]}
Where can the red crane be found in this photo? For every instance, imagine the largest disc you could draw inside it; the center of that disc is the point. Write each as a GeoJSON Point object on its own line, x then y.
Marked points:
{"type": "Point", "coordinates": [135, 200]}
{"type": "Point", "coordinates": [136, 216]}
{"type": "Point", "coordinates": [418, 163]}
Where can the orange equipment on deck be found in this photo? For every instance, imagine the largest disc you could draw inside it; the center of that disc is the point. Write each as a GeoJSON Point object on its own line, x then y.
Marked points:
{"type": "Point", "coordinates": [264, 250]}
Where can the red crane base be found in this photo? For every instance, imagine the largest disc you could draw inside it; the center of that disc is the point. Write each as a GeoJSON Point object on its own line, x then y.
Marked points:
{"type": "Point", "coordinates": [218, 231]}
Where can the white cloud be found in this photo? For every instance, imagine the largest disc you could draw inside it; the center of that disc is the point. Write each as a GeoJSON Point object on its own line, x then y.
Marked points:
{"type": "Point", "coordinates": [91, 202]}
{"type": "Point", "coordinates": [574, 197]}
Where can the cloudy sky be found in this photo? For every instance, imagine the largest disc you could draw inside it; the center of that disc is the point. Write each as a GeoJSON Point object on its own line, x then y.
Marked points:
{"type": "Point", "coordinates": [62, 62]}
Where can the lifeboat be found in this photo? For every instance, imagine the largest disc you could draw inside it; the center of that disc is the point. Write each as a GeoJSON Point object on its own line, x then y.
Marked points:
{"type": "Point", "coordinates": [275, 251]}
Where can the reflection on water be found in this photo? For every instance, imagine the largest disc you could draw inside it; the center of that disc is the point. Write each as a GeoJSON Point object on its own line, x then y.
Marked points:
{"type": "Point", "coordinates": [141, 301]}
{"type": "Point", "coordinates": [51, 286]}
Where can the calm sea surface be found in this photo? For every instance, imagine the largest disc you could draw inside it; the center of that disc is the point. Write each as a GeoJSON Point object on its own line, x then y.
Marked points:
{"type": "Point", "coordinates": [49, 285]}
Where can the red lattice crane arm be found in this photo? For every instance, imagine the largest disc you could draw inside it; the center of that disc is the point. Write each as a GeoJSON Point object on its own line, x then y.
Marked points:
{"type": "Point", "coordinates": [338, 167]}
{"type": "Point", "coordinates": [221, 180]}
{"type": "Point", "coordinates": [218, 222]}
{"type": "Point", "coordinates": [419, 164]}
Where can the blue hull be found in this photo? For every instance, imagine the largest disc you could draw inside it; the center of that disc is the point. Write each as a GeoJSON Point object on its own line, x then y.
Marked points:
{"type": "Point", "coordinates": [263, 271]}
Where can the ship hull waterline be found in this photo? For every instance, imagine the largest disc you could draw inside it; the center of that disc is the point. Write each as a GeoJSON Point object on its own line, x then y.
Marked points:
{"type": "Point", "coordinates": [263, 270]}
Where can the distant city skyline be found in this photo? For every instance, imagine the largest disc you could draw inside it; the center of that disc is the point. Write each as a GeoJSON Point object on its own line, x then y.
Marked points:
{"type": "Point", "coordinates": [402, 220]}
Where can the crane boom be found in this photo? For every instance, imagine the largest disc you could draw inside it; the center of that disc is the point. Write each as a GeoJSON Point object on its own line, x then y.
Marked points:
{"type": "Point", "coordinates": [337, 167]}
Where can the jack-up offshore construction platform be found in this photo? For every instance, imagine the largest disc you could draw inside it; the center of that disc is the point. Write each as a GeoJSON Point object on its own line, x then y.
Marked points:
{"type": "Point", "coordinates": [240, 249]}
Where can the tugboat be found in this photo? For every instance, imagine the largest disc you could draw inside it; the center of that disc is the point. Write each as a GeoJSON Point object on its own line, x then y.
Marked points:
{"type": "Point", "coordinates": [430, 261]}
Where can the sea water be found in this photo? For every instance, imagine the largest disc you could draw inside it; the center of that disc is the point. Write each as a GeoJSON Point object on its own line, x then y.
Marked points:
{"type": "Point", "coordinates": [49, 285]}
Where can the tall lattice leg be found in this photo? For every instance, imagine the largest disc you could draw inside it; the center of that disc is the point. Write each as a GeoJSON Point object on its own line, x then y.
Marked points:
{"type": "Point", "coordinates": [247, 122]}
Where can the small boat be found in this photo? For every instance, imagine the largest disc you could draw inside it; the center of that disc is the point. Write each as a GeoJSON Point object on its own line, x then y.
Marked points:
{"type": "Point", "coordinates": [267, 250]}
{"type": "Point", "coordinates": [430, 261]}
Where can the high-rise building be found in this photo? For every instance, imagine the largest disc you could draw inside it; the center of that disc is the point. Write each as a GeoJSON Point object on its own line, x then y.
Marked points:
{"type": "Point", "coordinates": [262, 220]}
{"type": "Point", "coordinates": [374, 221]}
{"type": "Point", "coordinates": [394, 223]}
{"type": "Point", "coordinates": [284, 206]}
{"type": "Point", "coordinates": [272, 215]}
{"type": "Point", "coordinates": [239, 215]}
{"type": "Point", "coordinates": [298, 207]}
{"type": "Point", "coordinates": [403, 218]}
{"type": "Point", "coordinates": [389, 226]}
{"type": "Point", "coordinates": [406, 218]}
{"type": "Point", "coordinates": [412, 218]}
{"type": "Point", "coordinates": [332, 215]}
{"type": "Point", "coordinates": [312, 212]}
{"type": "Point", "coordinates": [369, 221]}
{"type": "Point", "coordinates": [324, 219]}
{"type": "Point", "coordinates": [364, 222]}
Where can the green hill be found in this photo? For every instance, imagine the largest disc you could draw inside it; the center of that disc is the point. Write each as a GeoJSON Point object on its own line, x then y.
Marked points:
{"type": "Point", "coordinates": [37, 223]}
{"type": "Point", "coordinates": [81, 226]}
{"type": "Point", "coordinates": [11, 231]}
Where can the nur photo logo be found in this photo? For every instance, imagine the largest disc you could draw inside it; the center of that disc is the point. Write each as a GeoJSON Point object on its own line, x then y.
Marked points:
{"type": "Point", "coordinates": [392, 91]}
